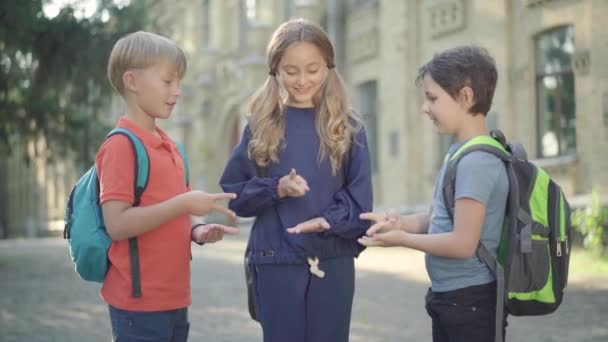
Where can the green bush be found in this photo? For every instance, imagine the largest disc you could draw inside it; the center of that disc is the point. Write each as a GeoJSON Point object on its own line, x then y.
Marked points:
{"type": "Point", "coordinates": [590, 222]}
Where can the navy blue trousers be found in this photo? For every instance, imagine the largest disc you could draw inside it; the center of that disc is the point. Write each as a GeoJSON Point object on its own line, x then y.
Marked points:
{"type": "Point", "coordinates": [297, 306]}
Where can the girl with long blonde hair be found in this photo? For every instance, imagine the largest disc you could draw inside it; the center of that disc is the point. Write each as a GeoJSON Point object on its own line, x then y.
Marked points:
{"type": "Point", "coordinates": [302, 169]}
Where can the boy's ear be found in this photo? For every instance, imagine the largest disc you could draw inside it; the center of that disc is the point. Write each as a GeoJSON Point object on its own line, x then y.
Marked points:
{"type": "Point", "coordinates": [466, 97]}
{"type": "Point", "coordinates": [129, 81]}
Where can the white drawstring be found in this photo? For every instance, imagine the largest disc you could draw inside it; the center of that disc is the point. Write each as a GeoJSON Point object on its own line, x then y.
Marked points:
{"type": "Point", "coordinates": [313, 262]}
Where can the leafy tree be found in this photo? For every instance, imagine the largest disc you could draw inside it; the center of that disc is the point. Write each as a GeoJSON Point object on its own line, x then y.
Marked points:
{"type": "Point", "coordinates": [53, 81]}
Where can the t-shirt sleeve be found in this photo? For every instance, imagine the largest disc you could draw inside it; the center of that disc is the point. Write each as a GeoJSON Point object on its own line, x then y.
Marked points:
{"type": "Point", "coordinates": [477, 176]}
{"type": "Point", "coordinates": [115, 164]}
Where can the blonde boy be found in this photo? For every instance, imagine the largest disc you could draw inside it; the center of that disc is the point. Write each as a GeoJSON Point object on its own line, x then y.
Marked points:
{"type": "Point", "coordinates": [146, 70]}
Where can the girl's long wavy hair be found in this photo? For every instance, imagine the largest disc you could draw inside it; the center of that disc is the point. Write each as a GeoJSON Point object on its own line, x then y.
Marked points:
{"type": "Point", "coordinates": [336, 122]}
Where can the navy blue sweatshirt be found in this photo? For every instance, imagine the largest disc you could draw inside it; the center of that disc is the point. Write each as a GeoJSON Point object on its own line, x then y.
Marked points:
{"type": "Point", "coordinates": [338, 198]}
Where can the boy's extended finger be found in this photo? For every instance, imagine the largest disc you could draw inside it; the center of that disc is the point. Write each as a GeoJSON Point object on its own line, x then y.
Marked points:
{"type": "Point", "coordinates": [375, 228]}
{"type": "Point", "coordinates": [223, 196]}
{"type": "Point", "coordinates": [368, 242]}
{"type": "Point", "coordinates": [231, 230]}
{"type": "Point", "coordinates": [372, 217]}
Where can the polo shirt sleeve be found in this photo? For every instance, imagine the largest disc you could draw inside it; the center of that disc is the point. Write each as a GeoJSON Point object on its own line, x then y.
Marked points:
{"type": "Point", "coordinates": [115, 164]}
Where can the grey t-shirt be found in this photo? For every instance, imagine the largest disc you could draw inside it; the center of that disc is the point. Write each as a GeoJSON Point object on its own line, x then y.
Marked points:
{"type": "Point", "coordinates": [480, 176]}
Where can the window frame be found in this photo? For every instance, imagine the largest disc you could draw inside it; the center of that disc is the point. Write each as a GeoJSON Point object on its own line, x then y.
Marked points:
{"type": "Point", "coordinates": [558, 115]}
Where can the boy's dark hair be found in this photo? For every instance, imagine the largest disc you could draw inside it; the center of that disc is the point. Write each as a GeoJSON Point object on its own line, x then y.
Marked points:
{"type": "Point", "coordinates": [462, 66]}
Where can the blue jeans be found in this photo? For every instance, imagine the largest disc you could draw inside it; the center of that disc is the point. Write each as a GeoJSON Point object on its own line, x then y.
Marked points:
{"type": "Point", "coordinates": [157, 326]}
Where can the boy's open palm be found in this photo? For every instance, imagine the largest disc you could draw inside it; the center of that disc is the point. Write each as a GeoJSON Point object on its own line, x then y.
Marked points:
{"type": "Point", "coordinates": [201, 203]}
{"type": "Point", "coordinates": [212, 232]}
{"type": "Point", "coordinates": [292, 185]}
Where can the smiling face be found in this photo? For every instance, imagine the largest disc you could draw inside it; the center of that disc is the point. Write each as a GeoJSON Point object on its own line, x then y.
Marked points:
{"type": "Point", "coordinates": [302, 70]}
{"type": "Point", "coordinates": [445, 111]}
{"type": "Point", "coordinates": [157, 90]}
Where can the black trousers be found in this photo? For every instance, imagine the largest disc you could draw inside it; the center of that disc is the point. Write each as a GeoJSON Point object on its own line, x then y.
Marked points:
{"type": "Point", "coordinates": [464, 315]}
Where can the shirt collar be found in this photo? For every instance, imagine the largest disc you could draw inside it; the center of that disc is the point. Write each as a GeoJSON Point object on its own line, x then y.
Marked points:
{"type": "Point", "coordinates": [147, 137]}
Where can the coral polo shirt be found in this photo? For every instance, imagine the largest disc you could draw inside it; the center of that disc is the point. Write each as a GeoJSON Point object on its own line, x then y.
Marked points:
{"type": "Point", "coordinates": [164, 252]}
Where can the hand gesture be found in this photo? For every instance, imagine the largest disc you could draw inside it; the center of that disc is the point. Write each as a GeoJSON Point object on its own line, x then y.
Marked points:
{"type": "Point", "coordinates": [388, 239]}
{"type": "Point", "coordinates": [382, 222]}
{"type": "Point", "coordinates": [292, 185]}
{"type": "Point", "coordinates": [315, 225]}
{"type": "Point", "coordinates": [385, 232]}
{"type": "Point", "coordinates": [212, 232]}
{"type": "Point", "coordinates": [201, 203]}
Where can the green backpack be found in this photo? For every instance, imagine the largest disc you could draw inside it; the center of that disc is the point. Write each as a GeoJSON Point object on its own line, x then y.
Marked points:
{"type": "Point", "coordinates": [531, 267]}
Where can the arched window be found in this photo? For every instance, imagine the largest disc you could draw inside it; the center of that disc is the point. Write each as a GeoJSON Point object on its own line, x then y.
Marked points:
{"type": "Point", "coordinates": [555, 96]}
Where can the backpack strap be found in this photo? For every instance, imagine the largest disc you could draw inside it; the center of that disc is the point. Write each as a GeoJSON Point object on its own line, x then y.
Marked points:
{"type": "Point", "coordinates": [182, 151]}
{"type": "Point", "coordinates": [512, 215]}
{"type": "Point", "coordinates": [142, 173]}
{"type": "Point", "coordinates": [488, 258]}
{"type": "Point", "coordinates": [481, 143]}
{"type": "Point", "coordinates": [142, 165]}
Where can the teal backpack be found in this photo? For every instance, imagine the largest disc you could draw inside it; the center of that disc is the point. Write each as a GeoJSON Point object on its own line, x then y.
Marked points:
{"type": "Point", "coordinates": [84, 226]}
{"type": "Point", "coordinates": [531, 267]}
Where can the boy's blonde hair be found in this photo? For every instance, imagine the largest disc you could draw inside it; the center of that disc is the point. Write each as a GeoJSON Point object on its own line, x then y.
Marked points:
{"type": "Point", "coordinates": [140, 50]}
{"type": "Point", "coordinates": [336, 122]}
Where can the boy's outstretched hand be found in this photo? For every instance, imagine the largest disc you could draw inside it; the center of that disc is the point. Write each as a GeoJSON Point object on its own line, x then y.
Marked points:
{"type": "Point", "coordinates": [385, 231]}
{"type": "Point", "coordinates": [212, 232]}
{"type": "Point", "coordinates": [381, 222]}
{"type": "Point", "coordinates": [389, 239]}
{"type": "Point", "coordinates": [200, 203]}
{"type": "Point", "coordinates": [316, 225]}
